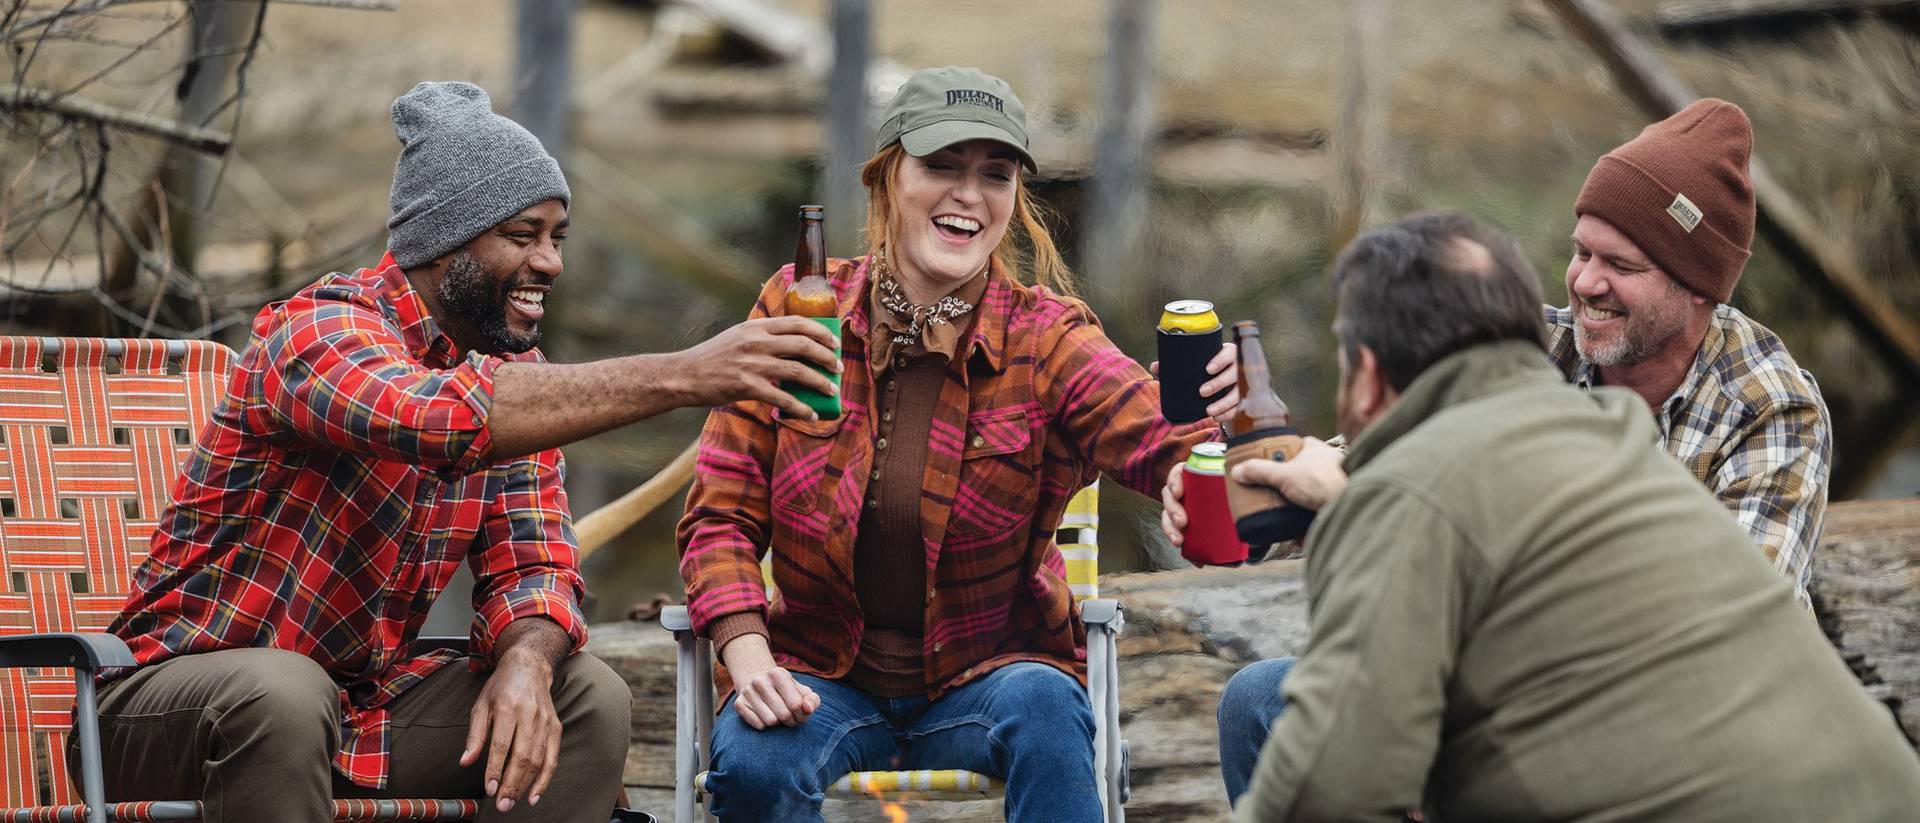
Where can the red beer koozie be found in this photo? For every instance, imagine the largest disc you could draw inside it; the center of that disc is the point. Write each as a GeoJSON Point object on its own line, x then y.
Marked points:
{"type": "Point", "coordinates": [1209, 538]}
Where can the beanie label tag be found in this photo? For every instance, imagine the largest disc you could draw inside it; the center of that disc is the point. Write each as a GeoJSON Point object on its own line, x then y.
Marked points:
{"type": "Point", "coordinates": [1684, 212]}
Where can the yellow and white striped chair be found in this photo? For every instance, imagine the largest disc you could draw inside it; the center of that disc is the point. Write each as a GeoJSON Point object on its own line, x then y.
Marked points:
{"type": "Point", "coordinates": [1079, 539]}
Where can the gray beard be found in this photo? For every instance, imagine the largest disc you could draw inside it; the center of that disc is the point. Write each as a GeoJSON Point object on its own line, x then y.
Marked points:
{"type": "Point", "coordinates": [1639, 342]}
{"type": "Point", "coordinates": [1624, 351]}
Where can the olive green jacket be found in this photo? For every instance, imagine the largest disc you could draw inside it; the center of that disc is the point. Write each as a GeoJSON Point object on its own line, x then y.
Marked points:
{"type": "Point", "coordinates": [1523, 610]}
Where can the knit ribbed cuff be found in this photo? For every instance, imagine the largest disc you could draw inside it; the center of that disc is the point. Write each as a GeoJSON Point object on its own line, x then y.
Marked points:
{"type": "Point", "coordinates": [725, 629]}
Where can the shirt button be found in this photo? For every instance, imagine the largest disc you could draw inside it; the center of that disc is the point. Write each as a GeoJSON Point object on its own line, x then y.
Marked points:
{"type": "Point", "coordinates": [979, 441]}
{"type": "Point", "coordinates": [892, 384]}
{"type": "Point", "coordinates": [875, 475]}
{"type": "Point", "coordinates": [886, 416]}
{"type": "Point", "coordinates": [900, 362]}
{"type": "Point", "coordinates": [873, 502]}
{"type": "Point", "coordinates": [880, 444]}
{"type": "Point", "coordinates": [938, 646]}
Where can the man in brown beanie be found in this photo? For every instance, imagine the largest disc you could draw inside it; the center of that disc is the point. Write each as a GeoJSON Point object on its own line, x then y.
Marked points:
{"type": "Point", "coordinates": [1520, 608]}
{"type": "Point", "coordinates": [1665, 223]}
{"type": "Point", "coordinates": [1664, 227]}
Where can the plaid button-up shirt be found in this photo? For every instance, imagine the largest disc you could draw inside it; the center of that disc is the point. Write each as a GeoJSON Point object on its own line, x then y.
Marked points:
{"type": "Point", "coordinates": [334, 494]}
{"type": "Point", "coordinates": [1037, 404]}
{"type": "Point", "coordinates": [1749, 423]}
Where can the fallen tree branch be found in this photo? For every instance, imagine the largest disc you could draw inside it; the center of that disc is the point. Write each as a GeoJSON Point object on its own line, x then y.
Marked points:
{"type": "Point", "coordinates": [25, 98]}
{"type": "Point", "coordinates": [604, 524]}
{"type": "Point", "coordinates": [1678, 16]}
{"type": "Point", "coordinates": [362, 5]}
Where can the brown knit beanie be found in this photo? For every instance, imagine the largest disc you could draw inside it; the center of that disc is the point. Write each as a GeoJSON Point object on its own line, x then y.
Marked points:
{"type": "Point", "coordinates": [1680, 191]}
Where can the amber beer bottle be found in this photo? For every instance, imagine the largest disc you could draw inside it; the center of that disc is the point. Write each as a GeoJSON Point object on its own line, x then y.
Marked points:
{"type": "Point", "coordinates": [812, 296]}
{"type": "Point", "coordinates": [1261, 427]}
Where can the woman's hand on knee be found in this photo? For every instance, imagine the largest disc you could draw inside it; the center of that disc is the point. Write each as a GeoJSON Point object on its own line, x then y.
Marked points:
{"type": "Point", "coordinates": [768, 695]}
{"type": "Point", "coordinates": [773, 697]}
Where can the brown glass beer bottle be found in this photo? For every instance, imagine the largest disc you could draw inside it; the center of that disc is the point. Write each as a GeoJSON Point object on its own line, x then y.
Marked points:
{"type": "Point", "coordinates": [812, 296]}
{"type": "Point", "coordinates": [1261, 427]}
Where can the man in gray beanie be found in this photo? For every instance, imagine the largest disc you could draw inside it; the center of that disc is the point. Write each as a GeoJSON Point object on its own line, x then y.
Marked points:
{"type": "Point", "coordinates": [381, 428]}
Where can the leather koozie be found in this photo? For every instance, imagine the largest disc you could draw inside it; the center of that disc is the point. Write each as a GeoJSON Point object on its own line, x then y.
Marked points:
{"type": "Point", "coordinates": [1261, 514]}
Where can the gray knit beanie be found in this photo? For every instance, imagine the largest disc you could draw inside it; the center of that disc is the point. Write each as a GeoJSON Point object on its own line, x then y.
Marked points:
{"type": "Point", "coordinates": [462, 170]}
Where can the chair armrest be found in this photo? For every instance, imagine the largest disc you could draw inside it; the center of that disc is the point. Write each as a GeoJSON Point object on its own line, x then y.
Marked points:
{"type": "Point", "coordinates": [423, 645]}
{"type": "Point", "coordinates": [91, 650]}
{"type": "Point", "coordinates": [1099, 612]}
{"type": "Point", "coordinates": [675, 619]}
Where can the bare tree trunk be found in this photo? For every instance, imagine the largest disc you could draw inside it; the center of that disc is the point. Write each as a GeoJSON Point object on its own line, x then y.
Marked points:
{"type": "Point", "coordinates": [1366, 80]}
{"type": "Point", "coordinates": [543, 72]}
{"type": "Point", "coordinates": [848, 137]}
{"type": "Point", "coordinates": [168, 216]}
{"type": "Point", "coordinates": [1122, 161]}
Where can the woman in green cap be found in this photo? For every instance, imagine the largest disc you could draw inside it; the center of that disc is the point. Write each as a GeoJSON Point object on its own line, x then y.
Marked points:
{"type": "Point", "coordinates": [922, 618]}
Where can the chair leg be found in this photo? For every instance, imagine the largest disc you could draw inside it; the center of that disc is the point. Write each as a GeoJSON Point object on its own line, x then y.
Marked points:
{"type": "Point", "coordinates": [1103, 691]}
{"type": "Point", "coordinates": [703, 713]}
{"type": "Point", "coordinates": [1098, 647]}
{"type": "Point", "coordinates": [1115, 777]}
{"type": "Point", "coordinates": [685, 748]}
{"type": "Point", "coordinates": [93, 786]}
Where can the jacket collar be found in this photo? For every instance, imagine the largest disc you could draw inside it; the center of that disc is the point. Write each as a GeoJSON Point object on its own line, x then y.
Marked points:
{"type": "Point", "coordinates": [1466, 375]}
{"type": "Point", "coordinates": [425, 341]}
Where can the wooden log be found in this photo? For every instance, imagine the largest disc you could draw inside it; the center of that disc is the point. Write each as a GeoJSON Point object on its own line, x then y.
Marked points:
{"type": "Point", "coordinates": [1866, 588]}
{"type": "Point", "coordinates": [643, 655]}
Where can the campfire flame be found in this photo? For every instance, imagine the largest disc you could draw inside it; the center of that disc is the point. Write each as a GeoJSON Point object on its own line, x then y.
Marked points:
{"type": "Point", "coordinates": [895, 812]}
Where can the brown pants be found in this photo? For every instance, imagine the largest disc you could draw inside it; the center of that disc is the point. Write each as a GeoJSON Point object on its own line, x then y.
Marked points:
{"type": "Point", "coordinates": [252, 732]}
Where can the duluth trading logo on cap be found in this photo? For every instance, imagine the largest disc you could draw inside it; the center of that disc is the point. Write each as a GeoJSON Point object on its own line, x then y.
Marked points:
{"type": "Point", "coordinates": [1684, 212]}
{"type": "Point", "coordinates": [975, 97]}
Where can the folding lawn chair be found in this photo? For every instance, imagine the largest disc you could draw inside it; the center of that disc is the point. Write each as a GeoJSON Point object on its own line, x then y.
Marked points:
{"type": "Point", "coordinates": [92, 433]}
{"type": "Point", "coordinates": [1078, 538]}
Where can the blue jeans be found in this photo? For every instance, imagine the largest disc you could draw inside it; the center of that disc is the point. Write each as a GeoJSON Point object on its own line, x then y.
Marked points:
{"type": "Point", "coordinates": [1026, 724]}
{"type": "Point", "coordinates": [1248, 707]}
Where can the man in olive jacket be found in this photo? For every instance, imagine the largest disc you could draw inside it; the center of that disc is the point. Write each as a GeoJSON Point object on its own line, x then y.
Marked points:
{"type": "Point", "coordinates": [1520, 614]}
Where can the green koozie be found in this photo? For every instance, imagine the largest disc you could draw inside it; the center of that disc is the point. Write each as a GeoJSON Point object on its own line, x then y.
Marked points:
{"type": "Point", "coordinates": [827, 405]}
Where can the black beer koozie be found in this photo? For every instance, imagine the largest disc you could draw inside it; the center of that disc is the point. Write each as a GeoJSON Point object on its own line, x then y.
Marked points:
{"type": "Point", "coordinates": [1183, 368]}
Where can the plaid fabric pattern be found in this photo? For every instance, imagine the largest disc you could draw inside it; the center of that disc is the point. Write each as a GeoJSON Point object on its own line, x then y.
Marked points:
{"type": "Point", "coordinates": [1036, 406]}
{"type": "Point", "coordinates": [1749, 423]}
{"type": "Point", "coordinates": [333, 495]}
{"type": "Point", "coordinates": [88, 447]}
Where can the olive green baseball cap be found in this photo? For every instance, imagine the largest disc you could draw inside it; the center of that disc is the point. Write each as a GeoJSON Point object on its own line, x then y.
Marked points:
{"type": "Point", "coordinates": [937, 108]}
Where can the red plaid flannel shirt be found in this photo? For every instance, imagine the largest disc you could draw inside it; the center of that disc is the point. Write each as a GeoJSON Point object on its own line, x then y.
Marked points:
{"type": "Point", "coordinates": [332, 497]}
{"type": "Point", "coordinates": [1038, 403]}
